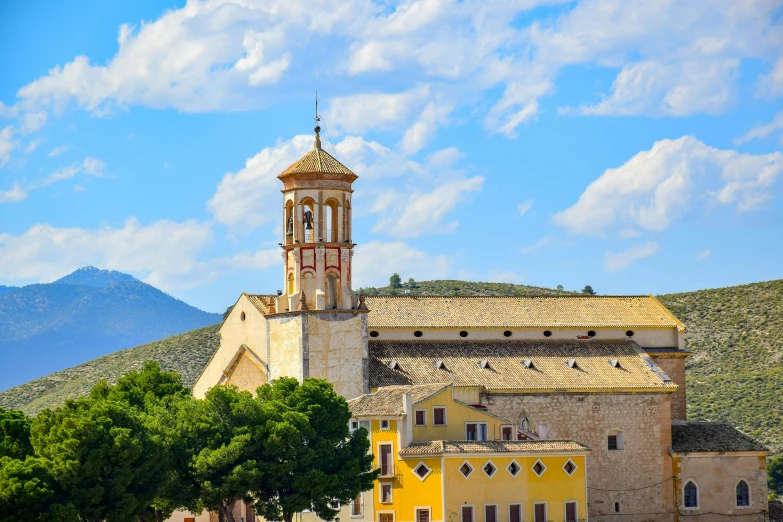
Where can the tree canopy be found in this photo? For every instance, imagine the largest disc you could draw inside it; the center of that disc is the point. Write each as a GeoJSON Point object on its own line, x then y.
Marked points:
{"type": "Point", "coordinates": [395, 281]}
{"type": "Point", "coordinates": [15, 434]}
{"type": "Point", "coordinates": [588, 290]}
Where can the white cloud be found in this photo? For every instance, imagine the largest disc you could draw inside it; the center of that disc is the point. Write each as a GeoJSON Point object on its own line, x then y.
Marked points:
{"type": "Point", "coordinates": [657, 187]}
{"type": "Point", "coordinates": [32, 146]}
{"type": "Point", "coordinates": [444, 157]}
{"type": "Point", "coordinates": [376, 261]}
{"type": "Point", "coordinates": [502, 276]}
{"type": "Point", "coordinates": [6, 145]}
{"type": "Point", "coordinates": [33, 121]}
{"type": "Point", "coordinates": [424, 128]}
{"type": "Point", "coordinates": [523, 207]}
{"type": "Point", "coordinates": [418, 213]}
{"type": "Point", "coordinates": [538, 245]}
{"type": "Point", "coordinates": [58, 150]}
{"type": "Point", "coordinates": [772, 84]}
{"type": "Point", "coordinates": [90, 166]}
{"type": "Point", "coordinates": [616, 261]}
{"type": "Point", "coordinates": [13, 195]}
{"type": "Point", "coordinates": [762, 130]}
{"type": "Point", "coordinates": [361, 112]}
{"type": "Point", "coordinates": [701, 256]}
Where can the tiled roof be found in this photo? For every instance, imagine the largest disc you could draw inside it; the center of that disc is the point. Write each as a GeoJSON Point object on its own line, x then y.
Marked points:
{"type": "Point", "coordinates": [438, 447]}
{"type": "Point", "coordinates": [260, 301]}
{"type": "Point", "coordinates": [506, 371]}
{"type": "Point", "coordinates": [317, 161]}
{"type": "Point", "coordinates": [388, 401]}
{"type": "Point", "coordinates": [710, 437]}
{"type": "Point", "coordinates": [389, 312]}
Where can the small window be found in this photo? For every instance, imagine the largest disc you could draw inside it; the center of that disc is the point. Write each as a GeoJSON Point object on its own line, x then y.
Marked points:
{"type": "Point", "coordinates": [354, 425]}
{"type": "Point", "coordinates": [743, 494]}
{"type": "Point", "coordinates": [539, 468]}
{"type": "Point", "coordinates": [356, 506]}
{"type": "Point", "coordinates": [242, 316]}
{"type": "Point", "coordinates": [467, 514]}
{"type": "Point", "coordinates": [466, 469]}
{"type": "Point", "coordinates": [569, 467]}
{"type": "Point", "coordinates": [421, 470]}
{"type": "Point", "coordinates": [507, 432]}
{"type": "Point", "coordinates": [417, 333]}
{"type": "Point", "coordinates": [539, 512]}
{"type": "Point", "coordinates": [591, 333]}
{"type": "Point", "coordinates": [476, 431]}
{"type": "Point", "coordinates": [615, 440]}
{"type": "Point", "coordinates": [385, 424]}
{"type": "Point", "coordinates": [463, 333]}
{"type": "Point", "coordinates": [690, 495]}
{"type": "Point", "coordinates": [490, 513]}
{"type": "Point", "coordinates": [513, 469]}
{"type": "Point", "coordinates": [489, 469]}
{"type": "Point", "coordinates": [374, 333]}
{"type": "Point", "coordinates": [422, 515]}
{"type": "Point", "coordinates": [334, 504]}
{"type": "Point", "coordinates": [547, 333]}
{"type": "Point", "coordinates": [421, 417]}
{"type": "Point", "coordinates": [439, 416]}
{"type": "Point", "coordinates": [386, 517]}
{"type": "Point", "coordinates": [616, 507]}
{"type": "Point", "coordinates": [612, 442]}
{"type": "Point", "coordinates": [570, 512]}
{"type": "Point", "coordinates": [386, 493]}
{"type": "Point", "coordinates": [515, 513]}
{"type": "Point", "coordinates": [629, 333]}
{"type": "Point", "coordinates": [507, 333]}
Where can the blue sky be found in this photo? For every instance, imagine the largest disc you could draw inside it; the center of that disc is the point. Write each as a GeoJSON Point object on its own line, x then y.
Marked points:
{"type": "Point", "coordinates": [631, 145]}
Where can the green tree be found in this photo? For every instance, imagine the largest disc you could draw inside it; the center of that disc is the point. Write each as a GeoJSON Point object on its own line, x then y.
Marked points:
{"type": "Point", "coordinates": [309, 457]}
{"type": "Point", "coordinates": [588, 290]}
{"type": "Point", "coordinates": [227, 312]}
{"type": "Point", "coordinates": [395, 281]}
{"type": "Point", "coordinates": [775, 474]}
{"type": "Point", "coordinates": [411, 283]}
{"type": "Point", "coordinates": [155, 395]}
{"type": "Point", "coordinates": [559, 288]}
{"type": "Point", "coordinates": [109, 465]}
{"type": "Point", "coordinates": [28, 492]}
{"type": "Point", "coordinates": [221, 436]}
{"type": "Point", "coordinates": [15, 434]}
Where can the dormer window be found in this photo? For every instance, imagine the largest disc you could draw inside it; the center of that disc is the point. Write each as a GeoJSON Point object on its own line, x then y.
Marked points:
{"type": "Point", "coordinates": [572, 364]}
{"type": "Point", "coordinates": [614, 363]}
{"type": "Point", "coordinates": [393, 365]}
{"type": "Point", "coordinates": [485, 364]}
{"type": "Point", "coordinates": [527, 363]}
{"type": "Point", "coordinates": [440, 365]}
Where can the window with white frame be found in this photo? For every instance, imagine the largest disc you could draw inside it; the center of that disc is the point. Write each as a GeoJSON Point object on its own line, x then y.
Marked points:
{"type": "Point", "coordinates": [386, 493]}
{"type": "Point", "coordinates": [507, 432]}
{"type": "Point", "coordinates": [476, 431]}
{"type": "Point", "coordinates": [353, 425]}
{"type": "Point", "coordinates": [466, 469]}
{"type": "Point", "coordinates": [356, 507]}
{"type": "Point", "coordinates": [420, 417]}
{"type": "Point", "coordinates": [385, 424]}
{"type": "Point", "coordinates": [538, 468]}
{"type": "Point", "coordinates": [515, 513]}
{"type": "Point", "coordinates": [421, 470]}
{"type": "Point", "coordinates": [569, 467]}
{"type": "Point", "coordinates": [489, 469]}
{"type": "Point", "coordinates": [466, 513]}
{"type": "Point", "coordinates": [513, 468]}
{"type": "Point", "coordinates": [387, 464]}
{"type": "Point", "coordinates": [690, 495]}
{"type": "Point", "coordinates": [439, 416]}
{"type": "Point", "coordinates": [422, 514]}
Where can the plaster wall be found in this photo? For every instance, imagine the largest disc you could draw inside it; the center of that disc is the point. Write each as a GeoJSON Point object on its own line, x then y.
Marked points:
{"type": "Point", "coordinates": [336, 350]}
{"type": "Point", "coordinates": [674, 368]}
{"type": "Point", "coordinates": [649, 338]}
{"type": "Point", "coordinates": [716, 477]}
{"type": "Point", "coordinates": [645, 421]}
{"type": "Point", "coordinates": [247, 374]}
{"type": "Point", "coordinates": [233, 334]}
{"type": "Point", "coordinates": [180, 516]}
{"type": "Point", "coordinates": [287, 337]}
{"type": "Point", "coordinates": [457, 415]}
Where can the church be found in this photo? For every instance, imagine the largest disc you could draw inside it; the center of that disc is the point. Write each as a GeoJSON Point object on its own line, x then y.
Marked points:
{"type": "Point", "coordinates": [486, 409]}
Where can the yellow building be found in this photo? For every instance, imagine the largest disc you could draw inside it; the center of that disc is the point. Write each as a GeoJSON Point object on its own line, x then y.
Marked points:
{"type": "Point", "coordinates": [603, 372]}
{"type": "Point", "coordinates": [443, 460]}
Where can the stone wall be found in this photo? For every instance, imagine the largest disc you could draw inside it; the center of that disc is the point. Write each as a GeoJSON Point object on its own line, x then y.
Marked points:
{"type": "Point", "coordinates": [716, 477]}
{"type": "Point", "coordinates": [674, 366]}
{"type": "Point", "coordinates": [645, 422]}
{"type": "Point", "coordinates": [247, 374]}
{"type": "Point", "coordinates": [287, 336]}
{"type": "Point", "coordinates": [337, 351]}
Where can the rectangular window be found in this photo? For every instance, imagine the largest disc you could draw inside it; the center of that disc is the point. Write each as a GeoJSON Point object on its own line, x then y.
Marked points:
{"type": "Point", "coordinates": [439, 416]}
{"type": "Point", "coordinates": [387, 466]}
{"type": "Point", "coordinates": [507, 433]}
{"type": "Point", "coordinates": [354, 426]}
{"type": "Point", "coordinates": [570, 512]}
{"type": "Point", "coordinates": [490, 513]}
{"type": "Point", "coordinates": [334, 504]}
{"type": "Point", "coordinates": [467, 514]}
{"type": "Point", "coordinates": [386, 517]}
{"type": "Point", "coordinates": [476, 431]}
{"type": "Point", "coordinates": [356, 506]}
{"type": "Point", "coordinates": [515, 513]}
{"type": "Point", "coordinates": [386, 493]}
{"type": "Point", "coordinates": [385, 424]}
{"type": "Point", "coordinates": [612, 442]}
{"type": "Point", "coordinates": [539, 510]}
{"type": "Point", "coordinates": [365, 425]}
{"type": "Point", "coordinates": [421, 417]}
{"type": "Point", "coordinates": [422, 515]}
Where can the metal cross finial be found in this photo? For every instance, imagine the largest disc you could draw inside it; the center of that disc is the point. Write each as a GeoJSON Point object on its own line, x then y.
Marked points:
{"type": "Point", "coordinates": [317, 127]}
{"type": "Point", "coordinates": [317, 117]}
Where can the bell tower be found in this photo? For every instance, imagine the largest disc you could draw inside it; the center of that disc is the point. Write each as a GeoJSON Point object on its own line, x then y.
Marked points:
{"type": "Point", "coordinates": [317, 245]}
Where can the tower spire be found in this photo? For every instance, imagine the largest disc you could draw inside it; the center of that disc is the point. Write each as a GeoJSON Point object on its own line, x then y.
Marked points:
{"type": "Point", "coordinates": [317, 127]}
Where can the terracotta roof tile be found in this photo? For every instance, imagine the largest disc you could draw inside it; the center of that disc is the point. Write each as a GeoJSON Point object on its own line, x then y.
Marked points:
{"type": "Point", "coordinates": [709, 437]}
{"type": "Point", "coordinates": [388, 400]}
{"type": "Point", "coordinates": [317, 161]}
{"type": "Point", "coordinates": [506, 371]}
{"type": "Point", "coordinates": [388, 312]}
{"type": "Point", "coordinates": [492, 446]}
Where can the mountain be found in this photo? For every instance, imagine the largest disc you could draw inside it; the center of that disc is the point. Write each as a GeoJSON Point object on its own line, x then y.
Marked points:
{"type": "Point", "coordinates": [735, 372]}
{"type": "Point", "coordinates": [88, 313]}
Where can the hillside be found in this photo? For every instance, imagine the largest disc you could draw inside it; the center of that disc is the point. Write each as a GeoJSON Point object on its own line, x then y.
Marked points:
{"type": "Point", "coordinates": [84, 315]}
{"type": "Point", "coordinates": [735, 373]}
{"type": "Point", "coordinates": [454, 287]}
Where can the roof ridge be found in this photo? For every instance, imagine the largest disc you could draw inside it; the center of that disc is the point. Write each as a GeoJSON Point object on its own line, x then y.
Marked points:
{"type": "Point", "coordinates": [538, 296]}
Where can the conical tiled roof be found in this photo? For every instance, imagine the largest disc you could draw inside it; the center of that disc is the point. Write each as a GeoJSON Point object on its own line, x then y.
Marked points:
{"type": "Point", "coordinates": [317, 161]}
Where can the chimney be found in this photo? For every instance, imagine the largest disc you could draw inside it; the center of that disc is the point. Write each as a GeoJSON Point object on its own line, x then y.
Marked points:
{"type": "Point", "coordinates": [407, 411]}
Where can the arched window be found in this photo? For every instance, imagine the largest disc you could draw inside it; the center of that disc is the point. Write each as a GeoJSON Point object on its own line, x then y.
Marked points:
{"type": "Point", "coordinates": [615, 440]}
{"type": "Point", "coordinates": [690, 494]}
{"type": "Point", "coordinates": [308, 220]}
{"type": "Point", "coordinates": [289, 223]}
{"type": "Point", "coordinates": [331, 221]}
{"type": "Point", "coordinates": [332, 290]}
{"type": "Point", "coordinates": [743, 494]}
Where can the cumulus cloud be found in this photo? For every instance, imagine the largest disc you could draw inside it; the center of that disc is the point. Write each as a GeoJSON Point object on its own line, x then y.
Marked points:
{"type": "Point", "coordinates": [360, 112]}
{"type": "Point", "coordinates": [657, 187]}
{"type": "Point", "coordinates": [772, 83]}
{"type": "Point", "coordinates": [13, 195]}
{"type": "Point", "coordinates": [523, 207]}
{"type": "Point", "coordinates": [375, 261]}
{"type": "Point", "coordinates": [616, 261]}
